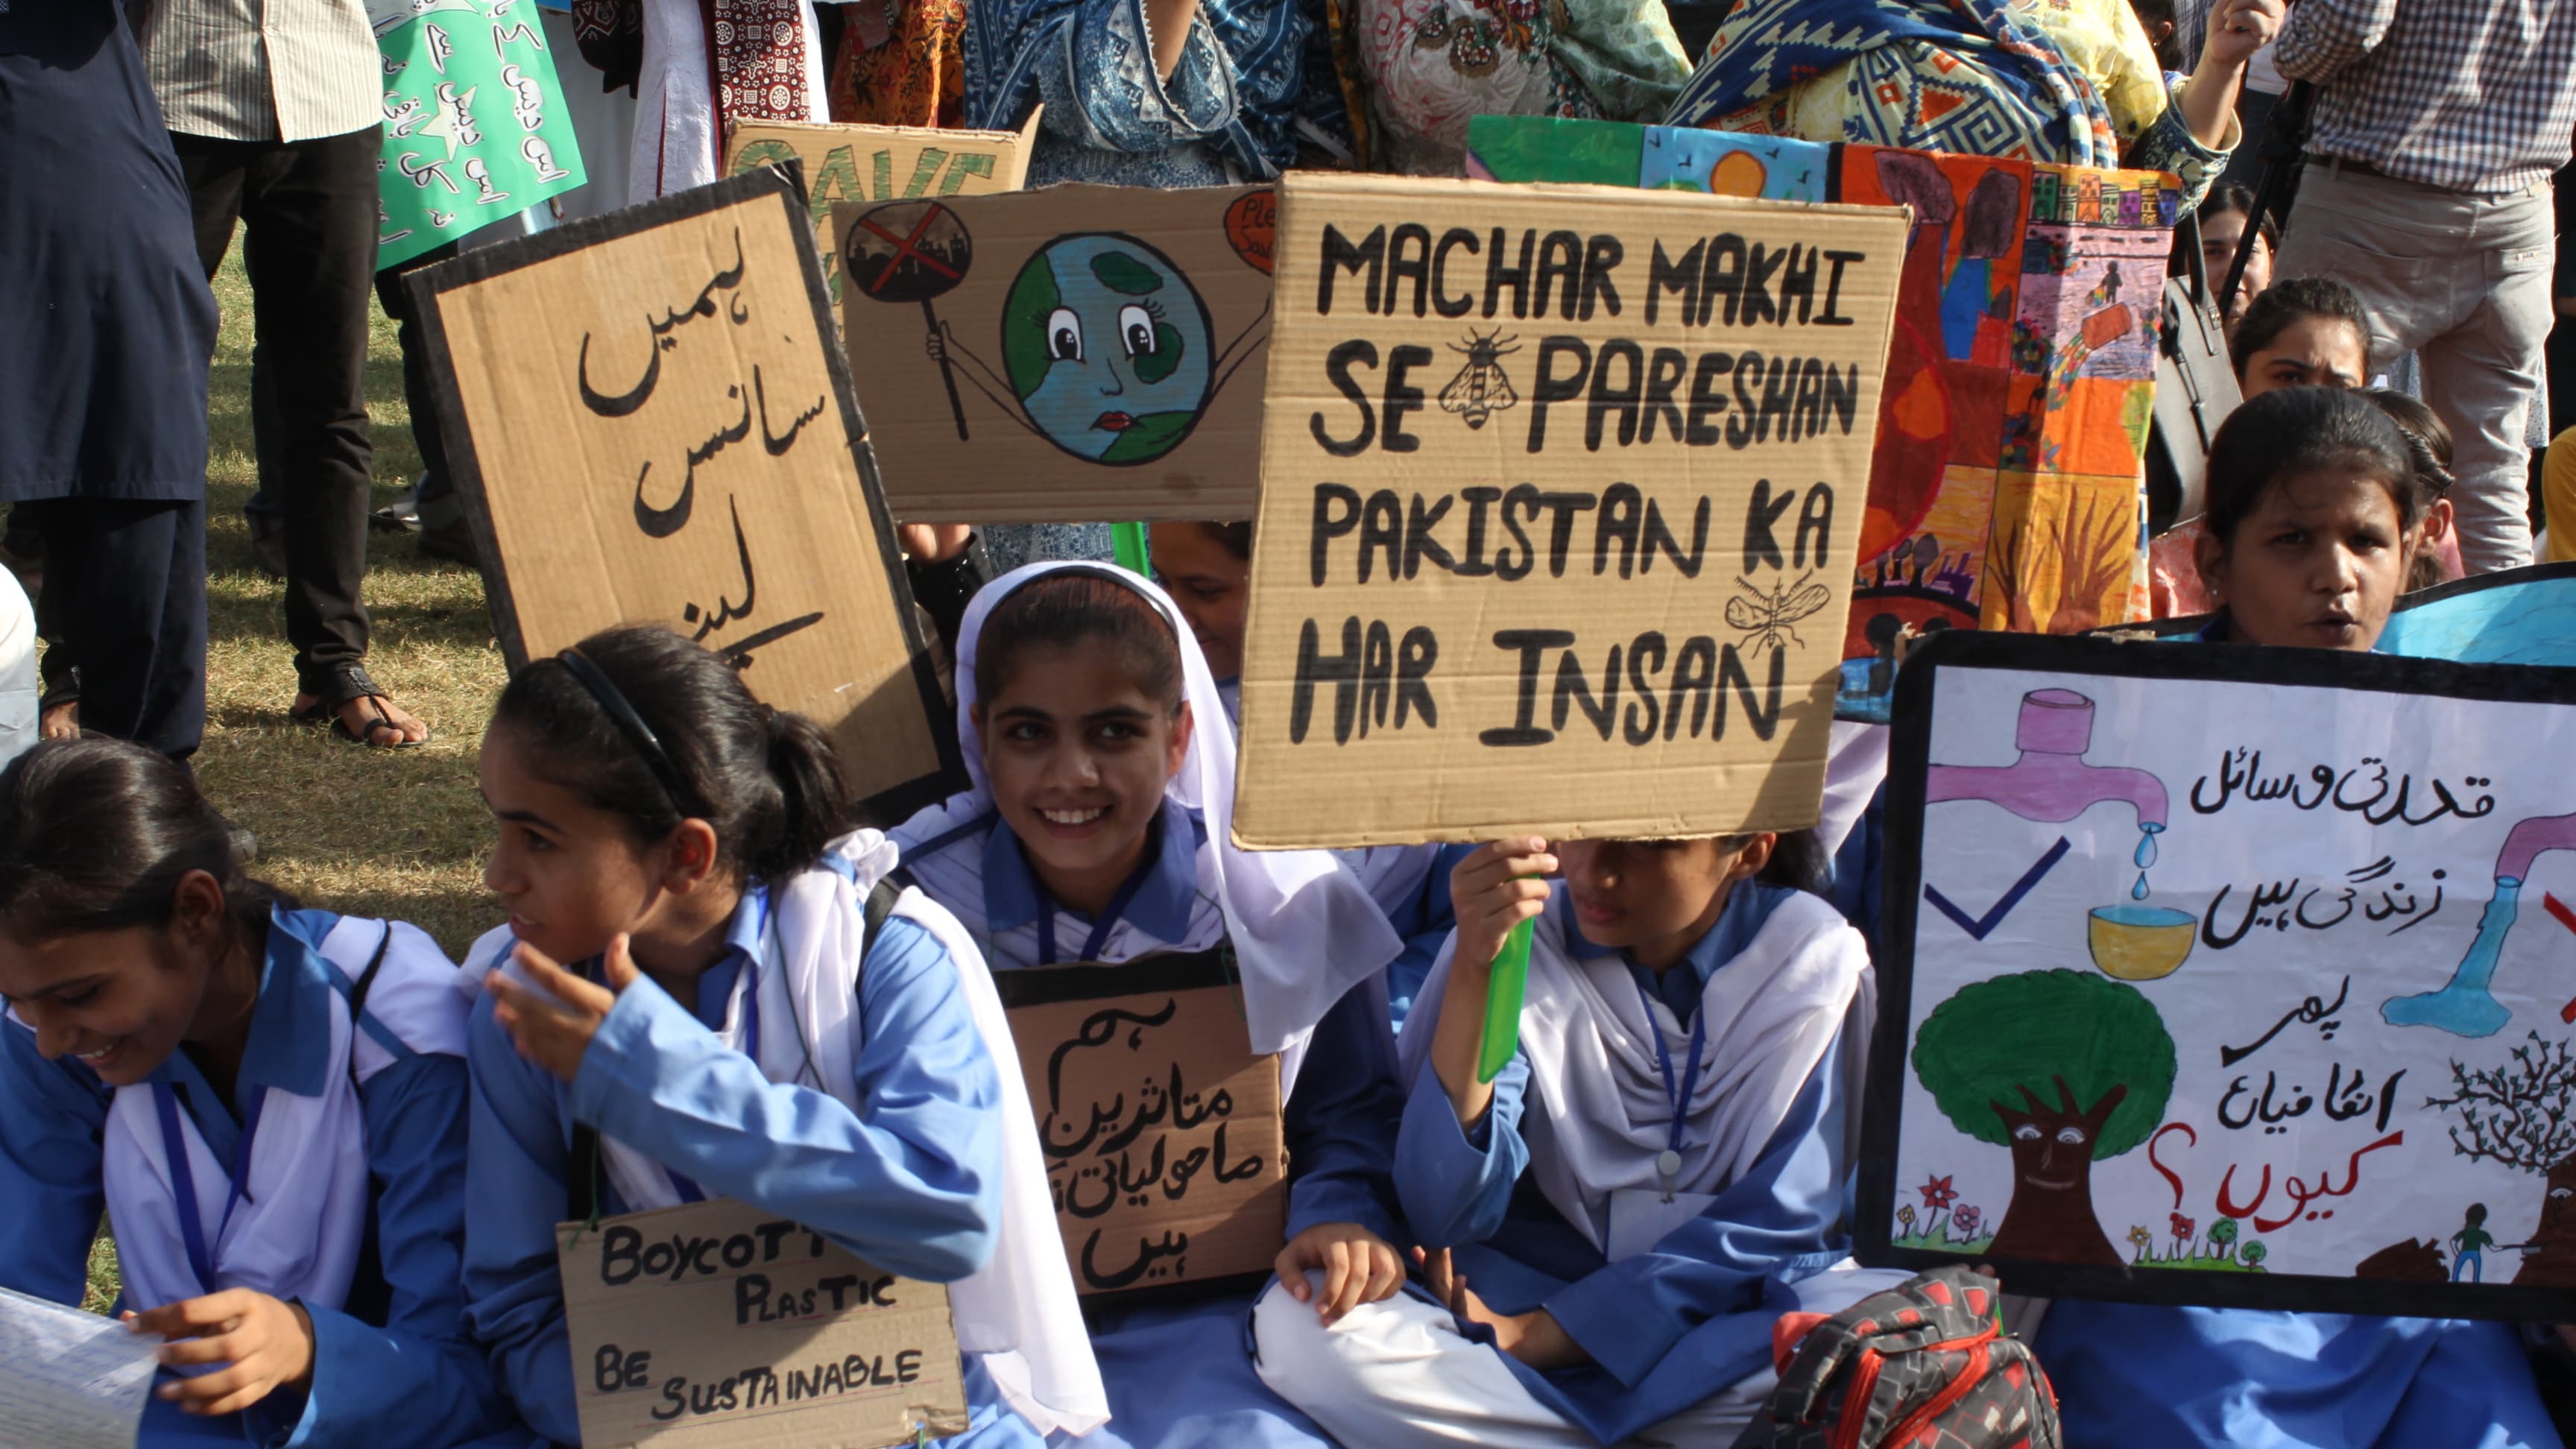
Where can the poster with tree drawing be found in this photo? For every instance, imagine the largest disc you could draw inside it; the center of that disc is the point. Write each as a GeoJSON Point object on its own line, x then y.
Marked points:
{"type": "Point", "coordinates": [2226, 976]}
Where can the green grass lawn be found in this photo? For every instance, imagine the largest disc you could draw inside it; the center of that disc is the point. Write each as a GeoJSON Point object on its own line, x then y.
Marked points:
{"type": "Point", "coordinates": [372, 832]}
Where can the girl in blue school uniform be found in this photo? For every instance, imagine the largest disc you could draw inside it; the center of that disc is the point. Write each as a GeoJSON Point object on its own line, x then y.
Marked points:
{"type": "Point", "coordinates": [2314, 518]}
{"type": "Point", "coordinates": [1657, 1174]}
{"type": "Point", "coordinates": [1098, 829]}
{"type": "Point", "coordinates": [687, 1002]}
{"type": "Point", "coordinates": [268, 1102]}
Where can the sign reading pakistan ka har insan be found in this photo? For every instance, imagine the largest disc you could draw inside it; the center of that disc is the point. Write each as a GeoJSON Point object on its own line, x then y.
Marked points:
{"type": "Point", "coordinates": [1560, 487]}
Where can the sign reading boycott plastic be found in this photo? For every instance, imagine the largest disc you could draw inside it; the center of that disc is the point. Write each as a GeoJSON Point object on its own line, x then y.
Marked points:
{"type": "Point", "coordinates": [720, 1324]}
{"type": "Point", "coordinates": [649, 422]}
{"type": "Point", "coordinates": [1560, 491]}
{"type": "Point", "coordinates": [1165, 1148]}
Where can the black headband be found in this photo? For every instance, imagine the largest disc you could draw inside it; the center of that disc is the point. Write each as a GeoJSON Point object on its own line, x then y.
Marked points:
{"type": "Point", "coordinates": [630, 724]}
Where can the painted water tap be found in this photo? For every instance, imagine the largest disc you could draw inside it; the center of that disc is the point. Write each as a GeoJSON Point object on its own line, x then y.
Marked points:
{"type": "Point", "coordinates": [2051, 782]}
{"type": "Point", "coordinates": [2532, 839]}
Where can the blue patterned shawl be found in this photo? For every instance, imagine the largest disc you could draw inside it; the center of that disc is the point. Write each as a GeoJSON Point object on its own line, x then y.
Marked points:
{"type": "Point", "coordinates": [2015, 95]}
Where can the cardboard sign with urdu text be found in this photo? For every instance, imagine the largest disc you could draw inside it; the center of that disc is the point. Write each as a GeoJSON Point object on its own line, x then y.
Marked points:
{"type": "Point", "coordinates": [880, 163]}
{"type": "Point", "coordinates": [1560, 490]}
{"type": "Point", "coordinates": [720, 1324]}
{"type": "Point", "coordinates": [1067, 355]}
{"type": "Point", "coordinates": [649, 423]}
{"type": "Point", "coordinates": [1162, 1131]}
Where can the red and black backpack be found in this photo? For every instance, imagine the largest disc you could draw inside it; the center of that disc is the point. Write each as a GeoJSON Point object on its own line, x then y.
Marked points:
{"type": "Point", "coordinates": [1920, 1366]}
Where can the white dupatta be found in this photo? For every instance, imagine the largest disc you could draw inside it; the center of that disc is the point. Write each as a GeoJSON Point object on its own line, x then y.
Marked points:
{"type": "Point", "coordinates": [296, 1228]}
{"type": "Point", "coordinates": [1597, 1114]}
{"type": "Point", "coordinates": [1305, 931]}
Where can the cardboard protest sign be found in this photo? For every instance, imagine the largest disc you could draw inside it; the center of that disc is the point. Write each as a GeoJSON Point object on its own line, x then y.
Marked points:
{"type": "Point", "coordinates": [649, 423]}
{"type": "Point", "coordinates": [2020, 372]}
{"type": "Point", "coordinates": [1559, 492]}
{"type": "Point", "coordinates": [1162, 1130]}
{"type": "Point", "coordinates": [475, 125]}
{"type": "Point", "coordinates": [1062, 356]}
{"type": "Point", "coordinates": [2228, 976]}
{"type": "Point", "coordinates": [880, 163]}
{"type": "Point", "coordinates": [719, 1324]}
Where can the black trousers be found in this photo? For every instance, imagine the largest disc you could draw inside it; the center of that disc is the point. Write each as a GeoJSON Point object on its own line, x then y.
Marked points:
{"type": "Point", "coordinates": [125, 592]}
{"type": "Point", "coordinates": [417, 391]}
{"type": "Point", "coordinates": [308, 209]}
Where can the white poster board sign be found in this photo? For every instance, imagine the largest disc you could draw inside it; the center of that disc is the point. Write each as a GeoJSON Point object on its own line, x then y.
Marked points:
{"type": "Point", "coordinates": [2230, 976]}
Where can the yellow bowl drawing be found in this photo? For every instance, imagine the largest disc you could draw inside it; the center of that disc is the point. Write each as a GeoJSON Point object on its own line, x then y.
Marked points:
{"type": "Point", "coordinates": [2139, 943]}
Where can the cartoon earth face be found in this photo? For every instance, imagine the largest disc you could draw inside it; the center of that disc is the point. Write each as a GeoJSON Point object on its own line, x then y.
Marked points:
{"type": "Point", "coordinates": [1108, 347]}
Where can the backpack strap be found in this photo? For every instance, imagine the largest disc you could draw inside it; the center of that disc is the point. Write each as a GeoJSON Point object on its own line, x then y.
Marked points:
{"type": "Point", "coordinates": [881, 902]}
{"type": "Point", "coordinates": [358, 996]}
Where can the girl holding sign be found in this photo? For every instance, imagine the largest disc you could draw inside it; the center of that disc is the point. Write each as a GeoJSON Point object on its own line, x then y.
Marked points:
{"type": "Point", "coordinates": [1098, 831]}
{"type": "Point", "coordinates": [269, 1102]}
{"type": "Point", "coordinates": [2314, 519]}
{"type": "Point", "coordinates": [1655, 1176]}
{"type": "Point", "coordinates": [726, 1023]}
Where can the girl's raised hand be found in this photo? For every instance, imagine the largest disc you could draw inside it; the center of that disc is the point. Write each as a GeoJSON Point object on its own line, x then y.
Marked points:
{"type": "Point", "coordinates": [1491, 896]}
{"type": "Point", "coordinates": [265, 1344]}
{"type": "Point", "coordinates": [552, 1022]}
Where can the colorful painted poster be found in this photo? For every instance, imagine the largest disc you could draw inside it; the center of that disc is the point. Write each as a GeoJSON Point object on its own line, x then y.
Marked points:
{"type": "Point", "coordinates": [2229, 976]}
{"type": "Point", "coordinates": [2004, 489]}
{"type": "Point", "coordinates": [475, 126]}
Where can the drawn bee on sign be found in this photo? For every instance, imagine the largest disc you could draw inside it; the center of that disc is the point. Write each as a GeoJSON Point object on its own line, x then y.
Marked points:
{"type": "Point", "coordinates": [1481, 389]}
{"type": "Point", "coordinates": [1765, 617]}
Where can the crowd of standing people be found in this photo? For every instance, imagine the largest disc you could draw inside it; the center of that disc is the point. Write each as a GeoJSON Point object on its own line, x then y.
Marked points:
{"type": "Point", "coordinates": [676, 861]}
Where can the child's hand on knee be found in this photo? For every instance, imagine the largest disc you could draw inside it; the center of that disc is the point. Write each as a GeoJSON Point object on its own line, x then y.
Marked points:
{"type": "Point", "coordinates": [1358, 1267]}
{"type": "Point", "coordinates": [264, 1343]}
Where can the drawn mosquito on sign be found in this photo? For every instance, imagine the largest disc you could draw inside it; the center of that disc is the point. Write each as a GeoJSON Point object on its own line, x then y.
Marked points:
{"type": "Point", "coordinates": [1765, 617]}
{"type": "Point", "coordinates": [1480, 389]}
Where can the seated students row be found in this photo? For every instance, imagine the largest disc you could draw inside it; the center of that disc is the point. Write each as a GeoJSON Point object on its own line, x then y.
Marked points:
{"type": "Point", "coordinates": [224, 1072]}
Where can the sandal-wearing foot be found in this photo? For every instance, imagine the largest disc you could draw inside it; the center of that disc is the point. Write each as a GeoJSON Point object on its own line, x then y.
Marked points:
{"type": "Point", "coordinates": [383, 724]}
{"type": "Point", "coordinates": [348, 686]}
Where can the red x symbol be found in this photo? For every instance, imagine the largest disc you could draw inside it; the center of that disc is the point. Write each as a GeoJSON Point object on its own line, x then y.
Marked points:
{"type": "Point", "coordinates": [2567, 918]}
{"type": "Point", "coordinates": [908, 247]}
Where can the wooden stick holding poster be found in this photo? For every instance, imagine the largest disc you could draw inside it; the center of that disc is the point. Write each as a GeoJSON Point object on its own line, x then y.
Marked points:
{"type": "Point", "coordinates": [649, 422]}
{"type": "Point", "coordinates": [719, 1324]}
{"type": "Point", "coordinates": [2228, 977]}
{"type": "Point", "coordinates": [1560, 488]}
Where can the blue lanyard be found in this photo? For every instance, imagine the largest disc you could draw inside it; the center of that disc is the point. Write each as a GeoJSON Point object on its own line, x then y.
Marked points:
{"type": "Point", "coordinates": [1098, 940]}
{"type": "Point", "coordinates": [183, 1184]}
{"type": "Point", "coordinates": [1668, 1164]}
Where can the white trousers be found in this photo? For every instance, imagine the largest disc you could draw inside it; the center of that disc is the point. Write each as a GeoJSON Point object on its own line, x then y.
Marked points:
{"type": "Point", "coordinates": [1399, 1373]}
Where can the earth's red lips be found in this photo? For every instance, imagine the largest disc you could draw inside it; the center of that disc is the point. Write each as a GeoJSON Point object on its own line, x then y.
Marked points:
{"type": "Point", "coordinates": [1114, 422]}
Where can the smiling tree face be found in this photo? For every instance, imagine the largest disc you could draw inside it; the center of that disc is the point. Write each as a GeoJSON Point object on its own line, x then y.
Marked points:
{"type": "Point", "coordinates": [2062, 1068]}
{"type": "Point", "coordinates": [1108, 348]}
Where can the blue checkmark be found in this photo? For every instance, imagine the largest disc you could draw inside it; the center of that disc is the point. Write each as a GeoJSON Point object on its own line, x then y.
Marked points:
{"type": "Point", "coordinates": [1978, 926]}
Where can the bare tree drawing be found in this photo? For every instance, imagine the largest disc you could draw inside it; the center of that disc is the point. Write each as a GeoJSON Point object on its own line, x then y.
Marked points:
{"type": "Point", "coordinates": [2518, 1114]}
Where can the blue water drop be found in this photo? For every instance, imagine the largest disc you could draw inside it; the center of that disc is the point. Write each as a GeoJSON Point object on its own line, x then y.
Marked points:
{"type": "Point", "coordinates": [2146, 855]}
{"type": "Point", "coordinates": [2138, 892]}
